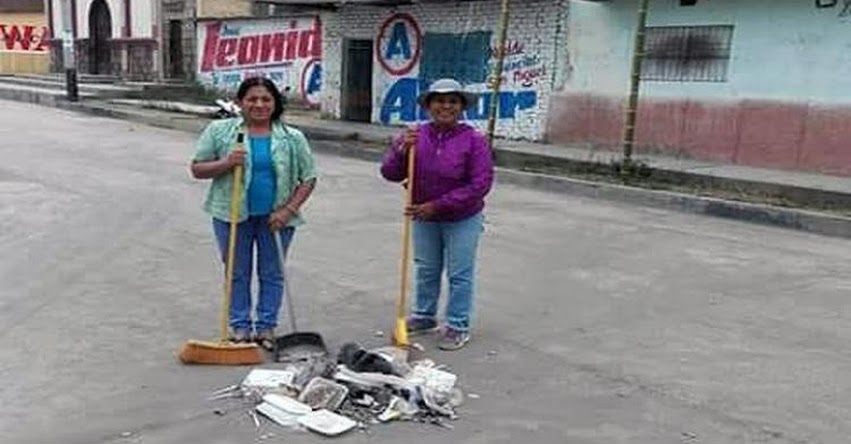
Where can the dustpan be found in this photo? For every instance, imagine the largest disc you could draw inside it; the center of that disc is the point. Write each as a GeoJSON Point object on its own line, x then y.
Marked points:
{"type": "Point", "coordinates": [297, 345]}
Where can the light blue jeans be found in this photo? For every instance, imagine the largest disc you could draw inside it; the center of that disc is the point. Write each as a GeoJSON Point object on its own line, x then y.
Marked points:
{"type": "Point", "coordinates": [451, 246]}
{"type": "Point", "coordinates": [250, 233]}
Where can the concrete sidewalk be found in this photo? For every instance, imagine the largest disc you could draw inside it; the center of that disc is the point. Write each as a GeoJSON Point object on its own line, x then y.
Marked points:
{"type": "Point", "coordinates": [524, 163]}
{"type": "Point", "coordinates": [795, 185]}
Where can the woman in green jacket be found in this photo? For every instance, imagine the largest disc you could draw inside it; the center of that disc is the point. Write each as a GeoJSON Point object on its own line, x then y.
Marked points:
{"type": "Point", "coordinates": [279, 177]}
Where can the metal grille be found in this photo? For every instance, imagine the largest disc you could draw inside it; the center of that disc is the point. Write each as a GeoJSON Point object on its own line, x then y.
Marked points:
{"type": "Point", "coordinates": [687, 53]}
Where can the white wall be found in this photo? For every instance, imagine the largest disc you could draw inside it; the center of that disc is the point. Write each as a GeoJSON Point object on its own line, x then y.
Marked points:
{"type": "Point", "coordinates": [782, 49]}
{"type": "Point", "coordinates": [142, 18]}
{"type": "Point", "coordinates": [535, 25]}
{"type": "Point", "coordinates": [142, 12]}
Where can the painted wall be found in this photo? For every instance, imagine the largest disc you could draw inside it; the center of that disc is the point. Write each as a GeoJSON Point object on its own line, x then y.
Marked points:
{"type": "Point", "coordinates": [414, 45]}
{"type": "Point", "coordinates": [224, 8]}
{"type": "Point", "coordinates": [142, 17]}
{"type": "Point", "coordinates": [286, 50]}
{"type": "Point", "coordinates": [786, 103]}
{"type": "Point", "coordinates": [24, 43]}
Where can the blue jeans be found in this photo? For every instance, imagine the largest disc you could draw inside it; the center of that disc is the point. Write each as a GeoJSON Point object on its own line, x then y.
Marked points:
{"type": "Point", "coordinates": [254, 231]}
{"type": "Point", "coordinates": [449, 245]}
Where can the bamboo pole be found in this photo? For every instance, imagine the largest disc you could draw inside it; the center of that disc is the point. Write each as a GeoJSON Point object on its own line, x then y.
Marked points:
{"type": "Point", "coordinates": [635, 83]}
{"type": "Point", "coordinates": [496, 75]}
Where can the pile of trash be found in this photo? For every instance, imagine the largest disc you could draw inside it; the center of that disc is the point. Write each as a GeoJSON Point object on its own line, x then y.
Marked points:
{"type": "Point", "coordinates": [359, 389]}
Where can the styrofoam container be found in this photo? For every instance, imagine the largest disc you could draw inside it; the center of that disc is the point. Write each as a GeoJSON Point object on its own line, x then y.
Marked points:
{"type": "Point", "coordinates": [327, 423]}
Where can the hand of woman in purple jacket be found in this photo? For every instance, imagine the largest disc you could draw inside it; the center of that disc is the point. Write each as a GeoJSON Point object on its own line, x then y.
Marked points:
{"type": "Point", "coordinates": [424, 211]}
{"type": "Point", "coordinates": [409, 139]}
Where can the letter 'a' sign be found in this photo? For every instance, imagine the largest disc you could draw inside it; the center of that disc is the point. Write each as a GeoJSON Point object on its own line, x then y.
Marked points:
{"type": "Point", "coordinates": [399, 44]}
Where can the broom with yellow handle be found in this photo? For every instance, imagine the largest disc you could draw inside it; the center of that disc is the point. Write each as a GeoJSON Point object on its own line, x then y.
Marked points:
{"type": "Point", "coordinates": [223, 351]}
{"type": "Point", "coordinates": [400, 333]}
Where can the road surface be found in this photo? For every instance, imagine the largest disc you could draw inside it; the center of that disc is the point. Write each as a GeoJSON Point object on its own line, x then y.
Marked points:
{"type": "Point", "coordinates": [597, 322]}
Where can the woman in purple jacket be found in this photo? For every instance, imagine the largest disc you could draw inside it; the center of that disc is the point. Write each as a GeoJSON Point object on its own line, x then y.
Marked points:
{"type": "Point", "coordinates": [454, 172]}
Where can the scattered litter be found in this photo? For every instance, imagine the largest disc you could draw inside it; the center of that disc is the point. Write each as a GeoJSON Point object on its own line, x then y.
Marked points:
{"type": "Point", "coordinates": [219, 412]}
{"type": "Point", "coordinates": [473, 396]}
{"type": "Point", "coordinates": [427, 375]}
{"type": "Point", "coordinates": [126, 434]}
{"type": "Point", "coordinates": [358, 388]}
{"type": "Point", "coordinates": [492, 353]}
{"type": "Point", "coordinates": [277, 415]}
{"type": "Point", "coordinates": [287, 405]}
{"type": "Point", "coordinates": [360, 360]}
{"type": "Point", "coordinates": [689, 436]}
{"type": "Point", "coordinates": [365, 401]}
{"type": "Point", "coordinates": [265, 379]}
{"type": "Point", "coordinates": [327, 423]}
{"type": "Point", "coordinates": [378, 334]}
{"type": "Point", "coordinates": [443, 424]}
{"type": "Point", "coordinates": [231, 391]}
{"type": "Point", "coordinates": [321, 393]}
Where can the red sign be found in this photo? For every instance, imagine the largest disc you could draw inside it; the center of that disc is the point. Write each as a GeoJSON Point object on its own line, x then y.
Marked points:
{"type": "Point", "coordinates": [225, 47]}
{"type": "Point", "coordinates": [399, 44]}
{"type": "Point", "coordinates": [24, 38]}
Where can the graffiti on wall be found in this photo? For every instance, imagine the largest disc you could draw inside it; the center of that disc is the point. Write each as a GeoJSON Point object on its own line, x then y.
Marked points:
{"type": "Point", "coordinates": [844, 6]}
{"type": "Point", "coordinates": [522, 69]}
{"type": "Point", "coordinates": [412, 60]}
{"type": "Point", "coordinates": [24, 38]}
{"type": "Point", "coordinates": [288, 52]}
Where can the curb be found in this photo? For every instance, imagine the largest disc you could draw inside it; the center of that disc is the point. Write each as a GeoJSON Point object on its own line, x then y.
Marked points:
{"type": "Point", "coordinates": [508, 171]}
{"type": "Point", "coordinates": [801, 220]}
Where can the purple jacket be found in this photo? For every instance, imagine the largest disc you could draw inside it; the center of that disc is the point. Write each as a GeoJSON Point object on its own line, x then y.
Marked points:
{"type": "Point", "coordinates": [454, 170]}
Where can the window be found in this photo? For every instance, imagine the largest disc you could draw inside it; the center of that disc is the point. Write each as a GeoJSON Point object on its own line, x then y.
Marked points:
{"type": "Point", "coordinates": [687, 53]}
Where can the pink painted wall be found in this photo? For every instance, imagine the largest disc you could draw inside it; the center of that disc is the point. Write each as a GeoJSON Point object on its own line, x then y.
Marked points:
{"type": "Point", "coordinates": [747, 132]}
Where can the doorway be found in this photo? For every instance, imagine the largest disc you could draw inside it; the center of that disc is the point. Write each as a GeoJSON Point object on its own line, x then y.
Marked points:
{"type": "Point", "coordinates": [356, 101]}
{"type": "Point", "coordinates": [175, 49]}
{"type": "Point", "coordinates": [100, 33]}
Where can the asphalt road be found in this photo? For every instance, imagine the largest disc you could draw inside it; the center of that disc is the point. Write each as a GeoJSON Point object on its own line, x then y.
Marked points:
{"type": "Point", "coordinates": [596, 322]}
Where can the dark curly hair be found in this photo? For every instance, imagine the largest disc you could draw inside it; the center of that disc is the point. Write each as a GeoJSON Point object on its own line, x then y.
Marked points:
{"type": "Point", "coordinates": [251, 82]}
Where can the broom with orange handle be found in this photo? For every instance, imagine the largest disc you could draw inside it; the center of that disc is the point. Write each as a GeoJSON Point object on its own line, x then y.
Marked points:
{"type": "Point", "coordinates": [223, 351]}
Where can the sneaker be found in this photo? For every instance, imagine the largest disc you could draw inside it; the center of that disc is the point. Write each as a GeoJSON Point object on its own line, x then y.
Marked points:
{"type": "Point", "coordinates": [266, 339]}
{"type": "Point", "coordinates": [452, 339]}
{"type": "Point", "coordinates": [240, 335]}
{"type": "Point", "coordinates": [420, 326]}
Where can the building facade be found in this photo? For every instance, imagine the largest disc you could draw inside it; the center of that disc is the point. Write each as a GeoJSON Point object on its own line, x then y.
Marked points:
{"type": "Point", "coordinates": [377, 59]}
{"type": "Point", "coordinates": [111, 37]}
{"type": "Point", "coordinates": [739, 81]}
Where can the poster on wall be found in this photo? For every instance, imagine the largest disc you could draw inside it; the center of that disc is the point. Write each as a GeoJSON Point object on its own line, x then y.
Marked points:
{"type": "Point", "coordinates": [286, 51]}
{"type": "Point", "coordinates": [411, 57]}
{"type": "Point", "coordinates": [22, 38]}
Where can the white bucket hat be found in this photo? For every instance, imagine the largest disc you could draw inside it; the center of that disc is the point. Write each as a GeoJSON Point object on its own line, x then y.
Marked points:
{"type": "Point", "coordinates": [447, 86]}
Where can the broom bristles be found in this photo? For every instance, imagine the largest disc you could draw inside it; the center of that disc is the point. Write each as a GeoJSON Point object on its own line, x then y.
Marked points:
{"type": "Point", "coordinates": [220, 353]}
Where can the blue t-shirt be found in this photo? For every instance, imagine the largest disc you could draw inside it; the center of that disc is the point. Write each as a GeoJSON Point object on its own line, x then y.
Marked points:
{"type": "Point", "coordinates": [261, 190]}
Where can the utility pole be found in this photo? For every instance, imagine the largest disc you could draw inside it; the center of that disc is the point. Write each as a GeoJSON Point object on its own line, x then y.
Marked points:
{"type": "Point", "coordinates": [69, 60]}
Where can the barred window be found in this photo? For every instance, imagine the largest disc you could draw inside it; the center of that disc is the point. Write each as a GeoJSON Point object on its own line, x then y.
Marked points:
{"type": "Point", "coordinates": [687, 53]}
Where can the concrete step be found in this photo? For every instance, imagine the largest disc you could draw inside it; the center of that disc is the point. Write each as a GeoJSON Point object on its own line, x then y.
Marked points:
{"type": "Point", "coordinates": [32, 94]}
{"type": "Point", "coordinates": [81, 78]}
{"type": "Point", "coordinates": [94, 88]}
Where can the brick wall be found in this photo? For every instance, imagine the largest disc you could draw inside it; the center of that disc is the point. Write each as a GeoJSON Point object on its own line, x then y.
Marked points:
{"type": "Point", "coordinates": [454, 32]}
